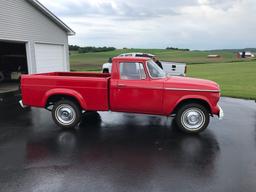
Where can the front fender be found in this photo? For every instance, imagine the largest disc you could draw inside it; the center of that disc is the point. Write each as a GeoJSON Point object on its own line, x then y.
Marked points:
{"type": "Point", "coordinates": [189, 97]}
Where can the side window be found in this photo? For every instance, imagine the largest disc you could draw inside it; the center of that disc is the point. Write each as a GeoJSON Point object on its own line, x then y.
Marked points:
{"type": "Point", "coordinates": [132, 71]}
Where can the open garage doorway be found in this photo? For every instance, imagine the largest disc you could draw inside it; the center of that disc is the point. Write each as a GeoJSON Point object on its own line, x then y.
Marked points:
{"type": "Point", "coordinates": [13, 63]}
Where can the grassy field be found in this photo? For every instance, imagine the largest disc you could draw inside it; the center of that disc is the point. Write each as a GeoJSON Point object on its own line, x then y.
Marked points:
{"type": "Point", "coordinates": [236, 77]}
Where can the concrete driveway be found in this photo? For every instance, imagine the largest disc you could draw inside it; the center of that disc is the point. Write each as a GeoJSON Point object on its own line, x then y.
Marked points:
{"type": "Point", "coordinates": [125, 152]}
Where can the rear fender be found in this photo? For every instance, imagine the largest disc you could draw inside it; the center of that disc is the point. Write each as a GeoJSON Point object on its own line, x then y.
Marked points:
{"type": "Point", "coordinates": [67, 92]}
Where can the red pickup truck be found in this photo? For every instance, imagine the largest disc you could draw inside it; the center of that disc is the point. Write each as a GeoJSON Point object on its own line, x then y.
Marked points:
{"type": "Point", "coordinates": [136, 85]}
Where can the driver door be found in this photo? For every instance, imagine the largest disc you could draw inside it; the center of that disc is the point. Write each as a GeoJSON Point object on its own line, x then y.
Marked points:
{"type": "Point", "coordinates": [135, 92]}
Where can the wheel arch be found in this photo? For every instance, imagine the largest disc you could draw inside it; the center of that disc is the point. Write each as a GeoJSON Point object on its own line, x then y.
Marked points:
{"type": "Point", "coordinates": [55, 95]}
{"type": "Point", "coordinates": [185, 101]}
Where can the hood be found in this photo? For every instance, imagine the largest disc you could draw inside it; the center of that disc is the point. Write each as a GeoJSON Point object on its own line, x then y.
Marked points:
{"type": "Point", "coordinates": [191, 84]}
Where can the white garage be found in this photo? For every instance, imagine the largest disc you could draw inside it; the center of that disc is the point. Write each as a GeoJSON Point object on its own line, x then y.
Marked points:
{"type": "Point", "coordinates": [32, 40]}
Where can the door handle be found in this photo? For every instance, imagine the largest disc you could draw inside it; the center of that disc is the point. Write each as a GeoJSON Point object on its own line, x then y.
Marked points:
{"type": "Point", "coordinates": [121, 85]}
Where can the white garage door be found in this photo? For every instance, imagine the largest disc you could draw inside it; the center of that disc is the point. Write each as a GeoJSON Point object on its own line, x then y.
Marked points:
{"type": "Point", "coordinates": [49, 58]}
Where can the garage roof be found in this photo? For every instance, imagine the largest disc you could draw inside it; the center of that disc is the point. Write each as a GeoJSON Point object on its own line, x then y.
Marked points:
{"type": "Point", "coordinates": [51, 16]}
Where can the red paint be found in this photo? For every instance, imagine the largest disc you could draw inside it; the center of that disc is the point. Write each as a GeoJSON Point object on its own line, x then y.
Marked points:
{"type": "Point", "coordinates": [101, 92]}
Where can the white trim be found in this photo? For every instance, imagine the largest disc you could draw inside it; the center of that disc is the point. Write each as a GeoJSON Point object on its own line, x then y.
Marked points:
{"type": "Point", "coordinates": [140, 87]}
{"type": "Point", "coordinates": [14, 40]}
{"type": "Point", "coordinates": [29, 58]}
{"type": "Point", "coordinates": [67, 58]}
{"type": "Point", "coordinates": [196, 90]}
{"type": "Point", "coordinates": [48, 43]}
{"type": "Point", "coordinates": [171, 89]}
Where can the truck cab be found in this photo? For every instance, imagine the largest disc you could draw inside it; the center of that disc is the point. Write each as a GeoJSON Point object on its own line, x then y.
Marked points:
{"type": "Point", "coordinates": [136, 85]}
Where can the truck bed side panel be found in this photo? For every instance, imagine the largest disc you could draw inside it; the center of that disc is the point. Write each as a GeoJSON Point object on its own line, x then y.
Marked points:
{"type": "Point", "coordinates": [91, 92]}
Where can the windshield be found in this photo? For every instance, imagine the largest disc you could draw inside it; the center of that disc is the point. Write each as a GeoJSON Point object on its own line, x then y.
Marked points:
{"type": "Point", "coordinates": [154, 70]}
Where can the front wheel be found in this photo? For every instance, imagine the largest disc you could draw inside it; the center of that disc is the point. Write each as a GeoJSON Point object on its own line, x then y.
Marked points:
{"type": "Point", "coordinates": [192, 118]}
{"type": "Point", "coordinates": [66, 114]}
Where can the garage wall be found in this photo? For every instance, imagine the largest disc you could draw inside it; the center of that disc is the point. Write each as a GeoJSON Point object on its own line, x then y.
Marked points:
{"type": "Point", "coordinates": [20, 21]}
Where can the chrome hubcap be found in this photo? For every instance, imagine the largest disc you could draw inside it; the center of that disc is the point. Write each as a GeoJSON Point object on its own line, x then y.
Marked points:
{"type": "Point", "coordinates": [65, 114]}
{"type": "Point", "coordinates": [193, 119]}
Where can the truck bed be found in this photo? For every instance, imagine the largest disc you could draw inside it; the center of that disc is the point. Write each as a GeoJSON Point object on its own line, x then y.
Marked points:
{"type": "Point", "coordinates": [90, 88]}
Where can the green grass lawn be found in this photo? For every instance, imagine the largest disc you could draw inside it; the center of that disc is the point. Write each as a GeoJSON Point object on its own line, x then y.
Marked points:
{"type": "Point", "coordinates": [236, 77]}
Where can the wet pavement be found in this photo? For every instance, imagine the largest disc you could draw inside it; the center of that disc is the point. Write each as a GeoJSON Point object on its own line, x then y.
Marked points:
{"type": "Point", "coordinates": [126, 152]}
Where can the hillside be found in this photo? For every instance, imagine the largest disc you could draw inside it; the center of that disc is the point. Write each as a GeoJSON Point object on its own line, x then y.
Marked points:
{"type": "Point", "coordinates": [94, 61]}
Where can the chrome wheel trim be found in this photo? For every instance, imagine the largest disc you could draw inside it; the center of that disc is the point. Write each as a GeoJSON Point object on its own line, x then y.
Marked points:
{"type": "Point", "coordinates": [193, 119]}
{"type": "Point", "coordinates": [65, 114]}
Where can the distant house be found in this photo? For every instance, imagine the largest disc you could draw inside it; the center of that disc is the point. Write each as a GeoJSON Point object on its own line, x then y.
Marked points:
{"type": "Point", "coordinates": [213, 56]}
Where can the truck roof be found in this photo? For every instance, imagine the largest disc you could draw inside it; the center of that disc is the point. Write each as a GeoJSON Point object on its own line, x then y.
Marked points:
{"type": "Point", "coordinates": [134, 54]}
{"type": "Point", "coordinates": [134, 59]}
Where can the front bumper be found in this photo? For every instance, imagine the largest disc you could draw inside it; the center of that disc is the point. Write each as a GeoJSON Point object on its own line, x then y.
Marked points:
{"type": "Point", "coordinates": [221, 113]}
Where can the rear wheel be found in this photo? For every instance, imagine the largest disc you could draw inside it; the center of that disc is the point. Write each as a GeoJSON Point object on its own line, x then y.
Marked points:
{"type": "Point", "coordinates": [66, 114]}
{"type": "Point", "coordinates": [192, 118]}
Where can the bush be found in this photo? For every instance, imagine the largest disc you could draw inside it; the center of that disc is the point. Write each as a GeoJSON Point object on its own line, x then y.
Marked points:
{"type": "Point", "coordinates": [95, 49]}
{"type": "Point", "coordinates": [90, 49]}
{"type": "Point", "coordinates": [176, 49]}
{"type": "Point", "coordinates": [73, 47]}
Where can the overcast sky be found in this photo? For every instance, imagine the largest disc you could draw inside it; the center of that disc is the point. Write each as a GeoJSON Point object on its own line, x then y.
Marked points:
{"type": "Point", "coordinates": [194, 24]}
